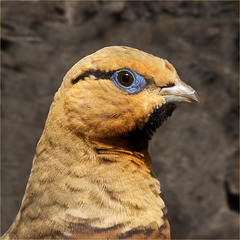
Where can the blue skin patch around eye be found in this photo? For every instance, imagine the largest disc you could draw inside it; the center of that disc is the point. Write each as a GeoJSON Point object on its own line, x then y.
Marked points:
{"type": "Point", "coordinates": [137, 85]}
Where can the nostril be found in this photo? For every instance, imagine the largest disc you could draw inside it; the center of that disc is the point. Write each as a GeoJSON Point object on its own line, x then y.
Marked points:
{"type": "Point", "coordinates": [171, 84]}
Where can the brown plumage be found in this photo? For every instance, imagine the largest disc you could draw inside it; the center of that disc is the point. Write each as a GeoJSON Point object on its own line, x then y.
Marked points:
{"type": "Point", "coordinates": [91, 175]}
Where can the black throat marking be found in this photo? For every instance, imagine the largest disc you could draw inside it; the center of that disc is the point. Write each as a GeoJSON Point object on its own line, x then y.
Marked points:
{"type": "Point", "coordinates": [140, 138]}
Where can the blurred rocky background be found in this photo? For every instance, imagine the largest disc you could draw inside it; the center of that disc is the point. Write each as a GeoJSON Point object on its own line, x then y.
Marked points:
{"type": "Point", "coordinates": [195, 153]}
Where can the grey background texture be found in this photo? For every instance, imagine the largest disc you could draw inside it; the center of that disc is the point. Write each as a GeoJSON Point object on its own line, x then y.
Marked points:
{"type": "Point", "coordinates": [195, 152]}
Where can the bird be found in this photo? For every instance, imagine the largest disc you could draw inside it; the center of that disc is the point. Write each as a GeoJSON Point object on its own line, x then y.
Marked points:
{"type": "Point", "coordinates": [91, 176]}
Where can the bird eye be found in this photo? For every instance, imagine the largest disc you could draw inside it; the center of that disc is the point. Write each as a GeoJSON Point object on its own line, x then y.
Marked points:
{"type": "Point", "coordinates": [125, 78]}
{"type": "Point", "coordinates": [128, 80]}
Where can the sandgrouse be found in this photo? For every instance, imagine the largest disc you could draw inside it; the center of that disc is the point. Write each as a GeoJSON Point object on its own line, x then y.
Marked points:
{"type": "Point", "coordinates": [91, 175]}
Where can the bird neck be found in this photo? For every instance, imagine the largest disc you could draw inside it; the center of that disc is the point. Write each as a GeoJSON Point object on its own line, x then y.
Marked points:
{"type": "Point", "coordinates": [78, 183]}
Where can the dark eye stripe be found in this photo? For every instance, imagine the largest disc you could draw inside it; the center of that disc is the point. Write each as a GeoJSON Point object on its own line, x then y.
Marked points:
{"type": "Point", "coordinates": [101, 74]}
{"type": "Point", "coordinates": [98, 74]}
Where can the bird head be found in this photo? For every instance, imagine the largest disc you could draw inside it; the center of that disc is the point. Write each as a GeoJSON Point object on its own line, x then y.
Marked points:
{"type": "Point", "coordinates": [122, 93]}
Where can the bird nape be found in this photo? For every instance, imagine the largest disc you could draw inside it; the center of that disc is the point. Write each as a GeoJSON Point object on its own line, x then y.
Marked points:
{"type": "Point", "coordinates": [91, 175]}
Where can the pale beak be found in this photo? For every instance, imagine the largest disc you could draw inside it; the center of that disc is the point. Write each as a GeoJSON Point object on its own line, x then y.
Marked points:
{"type": "Point", "coordinates": [179, 93]}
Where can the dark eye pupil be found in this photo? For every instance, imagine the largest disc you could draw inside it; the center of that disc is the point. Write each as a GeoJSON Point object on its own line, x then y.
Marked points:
{"type": "Point", "coordinates": [125, 78]}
